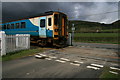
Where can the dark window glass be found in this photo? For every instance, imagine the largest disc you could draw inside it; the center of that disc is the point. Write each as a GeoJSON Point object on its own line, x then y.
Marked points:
{"type": "Point", "coordinates": [42, 23]}
{"type": "Point", "coordinates": [4, 26]}
{"type": "Point", "coordinates": [17, 25]}
{"type": "Point", "coordinates": [49, 22]}
{"type": "Point", "coordinates": [56, 17]}
{"type": "Point", "coordinates": [23, 25]}
{"type": "Point", "coordinates": [12, 26]}
{"type": "Point", "coordinates": [8, 26]}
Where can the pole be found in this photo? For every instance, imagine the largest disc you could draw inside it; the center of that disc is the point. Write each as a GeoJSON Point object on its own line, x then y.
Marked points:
{"type": "Point", "coordinates": [73, 29]}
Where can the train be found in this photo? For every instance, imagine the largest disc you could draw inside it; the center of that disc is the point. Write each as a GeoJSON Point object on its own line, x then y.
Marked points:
{"type": "Point", "coordinates": [45, 28]}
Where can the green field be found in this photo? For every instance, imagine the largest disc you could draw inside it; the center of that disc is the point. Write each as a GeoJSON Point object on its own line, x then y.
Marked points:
{"type": "Point", "coordinates": [111, 30]}
{"type": "Point", "coordinates": [20, 54]}
{"type": "Point", "coordinates": [97, 37]}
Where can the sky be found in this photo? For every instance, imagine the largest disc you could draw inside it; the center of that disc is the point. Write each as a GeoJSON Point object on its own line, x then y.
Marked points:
{"type": "Point", "coordinates": [85, 11]}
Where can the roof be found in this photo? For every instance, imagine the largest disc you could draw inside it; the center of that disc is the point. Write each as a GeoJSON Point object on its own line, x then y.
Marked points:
{"type": "Point", "coordinates": [37, 15]}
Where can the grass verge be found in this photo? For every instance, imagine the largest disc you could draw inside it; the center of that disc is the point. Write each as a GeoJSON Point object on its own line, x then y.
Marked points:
{"type": "Point", "coordinates": [111, 38]}
{"type": "Point", "coordinates": [19, 54]}
{"type": "Point", "coordinates": [106, 75]}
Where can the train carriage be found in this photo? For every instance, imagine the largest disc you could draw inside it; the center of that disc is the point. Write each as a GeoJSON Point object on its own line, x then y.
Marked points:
{"type": "Point", "coordinates": [46, 28]}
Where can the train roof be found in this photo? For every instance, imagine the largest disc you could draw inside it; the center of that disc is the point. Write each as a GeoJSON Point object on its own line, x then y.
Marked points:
{"type": "Point", "coordinates": [37, 15]}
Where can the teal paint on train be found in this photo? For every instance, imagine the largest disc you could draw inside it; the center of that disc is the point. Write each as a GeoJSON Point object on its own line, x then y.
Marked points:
{"type": "Point", "coordinates": [29, 29]}
{"type": "Point", "coordinates": [49, 33]}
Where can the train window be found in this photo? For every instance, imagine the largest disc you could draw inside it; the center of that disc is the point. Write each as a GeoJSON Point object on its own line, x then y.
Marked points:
{"type": "Point", "coordinates": [23, 24]}
{"type": "Point", "coordinates": [56, 17]}
{"type": "Point", "coordinates": [17, 25]}
{"type": "Point", "coordinates": [42, 23]}
{"type": "Point", "coordinates": [49, 22]}
{"type": "Point", "coordinates": [4, 26]}
{"type": "Point", "coordinates": [8, 26]}
{"type": "Point", "coordinates": [12, 26]}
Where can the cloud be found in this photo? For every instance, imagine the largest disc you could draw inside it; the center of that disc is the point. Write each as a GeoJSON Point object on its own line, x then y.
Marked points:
{"type": "Point", "coordinates": [88, 12]}
{"type": "Point", "coordinates": [74, 10]}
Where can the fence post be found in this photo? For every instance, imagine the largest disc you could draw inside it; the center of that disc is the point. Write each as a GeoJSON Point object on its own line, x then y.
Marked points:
{"type": "Point", "coordinates": [27, 41]}
{"type": "Point", "coordinates": [3, 45]}
{"type": "Point", "coordinates": [17, 36]}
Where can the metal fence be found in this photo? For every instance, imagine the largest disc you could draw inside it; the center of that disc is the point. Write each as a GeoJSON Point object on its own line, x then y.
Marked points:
{"type": "Point", "coordinates": [12, 43]}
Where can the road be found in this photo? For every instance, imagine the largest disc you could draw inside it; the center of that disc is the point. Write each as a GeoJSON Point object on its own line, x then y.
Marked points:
{"type": "Point", "coordinates": [69, 62]}
{"type": "Point", "coordinates": [37, 68]}
{"type": "Point", "coordinates": [98, 45]}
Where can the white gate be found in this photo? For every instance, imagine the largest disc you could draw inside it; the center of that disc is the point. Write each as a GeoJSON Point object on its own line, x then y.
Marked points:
{"type": "Point", "coordinates": [11, 43]}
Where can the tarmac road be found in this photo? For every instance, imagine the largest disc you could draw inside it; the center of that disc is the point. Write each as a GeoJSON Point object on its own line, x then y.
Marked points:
{"type": "Point", "coordinates": [70, 62]}
{"type": "Point", "coordinates": [38, 68]}
{"type": "Point", "coordinates": [98, 45]}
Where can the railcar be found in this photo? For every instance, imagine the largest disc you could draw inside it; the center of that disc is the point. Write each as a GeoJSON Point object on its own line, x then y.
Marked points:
{"type": "Point", "coordinates": [45, 28]}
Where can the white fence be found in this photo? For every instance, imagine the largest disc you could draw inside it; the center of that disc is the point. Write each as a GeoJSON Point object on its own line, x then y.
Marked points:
{"type": "Point", "coordinates": [11, 43]}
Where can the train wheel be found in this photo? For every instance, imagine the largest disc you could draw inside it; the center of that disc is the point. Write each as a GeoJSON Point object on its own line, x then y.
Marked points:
{"type": "Point", "coordinates": [43, 43]}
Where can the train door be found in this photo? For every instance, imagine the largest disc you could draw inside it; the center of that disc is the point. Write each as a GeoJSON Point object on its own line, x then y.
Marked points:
{"type": "Point", "coordinates": [50, 26]}
{"type": "Point", "coordinates": [63, 26]}
{"type": "Point", "coordinates": [42, 29]}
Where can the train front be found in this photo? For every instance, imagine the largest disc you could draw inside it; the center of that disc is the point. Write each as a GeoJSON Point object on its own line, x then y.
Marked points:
{"type": "Point", "coordinates": [60, 28]}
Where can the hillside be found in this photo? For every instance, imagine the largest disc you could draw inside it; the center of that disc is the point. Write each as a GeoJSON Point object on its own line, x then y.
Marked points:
{"type": "Point", "coordinates": [85, 26]}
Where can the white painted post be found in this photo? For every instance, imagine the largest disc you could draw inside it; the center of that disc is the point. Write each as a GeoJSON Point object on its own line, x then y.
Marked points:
{"type": "Point", "coordinates": [3, 45]}
{"type": "Point", "coordinates": [69, 39]}
{"type": "Point", "coordinates": [27, 41]}
{"type": "Point", "coordinates": [16, 40]}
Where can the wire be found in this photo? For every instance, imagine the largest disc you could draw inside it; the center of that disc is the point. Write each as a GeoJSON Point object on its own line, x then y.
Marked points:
{"type": "Point", "coordinates": [97, 14]}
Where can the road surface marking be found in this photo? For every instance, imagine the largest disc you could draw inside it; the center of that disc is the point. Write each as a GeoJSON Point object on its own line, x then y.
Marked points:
{"type": "Point", "coordinates": [65, 59]}
{"type": "Point", "coordinates": [82, 46]}
{"type": "Point", "coordinates": [113, 72]}
{"type": "Point", "coordinates": [93, 67]}
{"type": "Point", "coordinates": [60, 61]}
{"type": "Point", "coordinates": [87, 46]}
{"type": "Point", "coordinates": [43, 55]}
{"type": "Point", "coordinates": [52, 57]}
{"type": "Point", "coordinates": [51, 50]}
{"type": "Point", "coordinates": [75, 64]}
{"type": "Point", "coordinates": [97, 65]}
{"type": "Point", "coordinates": [78, 62]}
{"type": "Point", "coordinates": [114, 68]}
{"type": "Point", "coordinates": [27, 73]}
{"type": "Point", "coordinates": [48, 58]}
{"type": "Point", "coordinates": [38, 56]}
{"type": "Point", "coordinates": [114, 64]}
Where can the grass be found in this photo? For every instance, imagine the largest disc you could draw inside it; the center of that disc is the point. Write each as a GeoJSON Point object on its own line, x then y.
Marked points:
{"type": "Point", "coordinates": [97, 38]}
{"type": "Point", "coordinates": [96, 34]}
{"type": "Point", "coordinates": [111, 30]}
{"type": "Point", "coordinates": [19, 54]}
{"type": "Point", "coordinates": [106, 75]}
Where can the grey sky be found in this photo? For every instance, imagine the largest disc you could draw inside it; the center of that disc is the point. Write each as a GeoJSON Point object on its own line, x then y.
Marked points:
{"type": "Point", "coordinates": [74, 10]}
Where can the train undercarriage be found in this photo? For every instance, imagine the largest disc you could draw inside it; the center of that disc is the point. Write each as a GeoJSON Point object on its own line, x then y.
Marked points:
{"type": "Point", "coordinates": [42, 42]}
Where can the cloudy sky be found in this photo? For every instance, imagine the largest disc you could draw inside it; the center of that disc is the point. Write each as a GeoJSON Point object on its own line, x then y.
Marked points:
{"type": "Point", "coordinates": [103, 12]}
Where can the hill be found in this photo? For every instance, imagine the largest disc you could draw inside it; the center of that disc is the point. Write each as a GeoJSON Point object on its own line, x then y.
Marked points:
{"type": "Point", "coordinates": [85, 26]}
